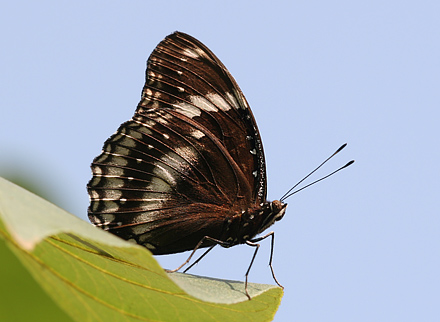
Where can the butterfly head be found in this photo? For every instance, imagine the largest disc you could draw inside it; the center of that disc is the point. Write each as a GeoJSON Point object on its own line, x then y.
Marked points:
{"type": "Point", "coordinates": [271, 212]}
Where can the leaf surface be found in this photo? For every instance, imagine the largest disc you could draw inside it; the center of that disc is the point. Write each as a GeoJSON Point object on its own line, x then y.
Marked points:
{"type": "Point", "coordinates": [95, 276]}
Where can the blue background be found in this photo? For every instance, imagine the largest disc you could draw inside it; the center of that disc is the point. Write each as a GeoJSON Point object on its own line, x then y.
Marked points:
{"type": "Point", "coordinates": [361, 246]}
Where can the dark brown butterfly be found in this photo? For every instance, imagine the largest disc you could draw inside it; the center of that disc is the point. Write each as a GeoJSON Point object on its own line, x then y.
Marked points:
{"type": "Point", "coordinates": [188, 170]}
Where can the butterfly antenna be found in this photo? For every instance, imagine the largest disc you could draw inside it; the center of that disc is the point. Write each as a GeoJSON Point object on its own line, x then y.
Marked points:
{"type": "Point", "coordinates": [289, 193]}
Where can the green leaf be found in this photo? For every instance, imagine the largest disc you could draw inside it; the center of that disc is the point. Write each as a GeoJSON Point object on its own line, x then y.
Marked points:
{"type": "Point", "coordinates": [94, 276]}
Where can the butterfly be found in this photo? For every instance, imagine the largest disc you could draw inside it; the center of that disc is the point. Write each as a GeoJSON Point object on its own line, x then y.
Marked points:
{"type": "Point", "coordinates": [187, 171]}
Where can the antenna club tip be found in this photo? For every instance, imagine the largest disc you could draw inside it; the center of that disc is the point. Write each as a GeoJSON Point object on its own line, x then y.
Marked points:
{"type": "Point", "coordinates": [349, 163]}
{"type": "Point", "coordinates": [340, 148]}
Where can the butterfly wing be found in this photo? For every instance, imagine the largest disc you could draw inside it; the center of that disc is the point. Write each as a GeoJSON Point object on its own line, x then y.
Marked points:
{"type": "Point", "coordinates": [189, 159]}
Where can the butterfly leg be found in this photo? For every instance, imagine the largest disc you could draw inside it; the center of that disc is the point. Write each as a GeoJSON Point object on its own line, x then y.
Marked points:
{"type": "Point", "coordinates": [257, 246]}
{"type": "Point", "coordinates": [272, 235]}
{"type": "Point", "coordinates": [200, 258]}
{"type": "Point", "coordinates": [216, 241]}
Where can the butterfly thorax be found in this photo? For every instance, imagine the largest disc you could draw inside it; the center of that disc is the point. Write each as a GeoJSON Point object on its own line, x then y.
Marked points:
{"type": "Point", "coordinates": [253, 221]}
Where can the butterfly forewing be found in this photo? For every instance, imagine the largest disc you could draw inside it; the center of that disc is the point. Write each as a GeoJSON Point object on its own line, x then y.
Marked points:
{"type": "Point", "coordinates": [189, 160]}
{"type": "Point", "coordinates": [185, 76]}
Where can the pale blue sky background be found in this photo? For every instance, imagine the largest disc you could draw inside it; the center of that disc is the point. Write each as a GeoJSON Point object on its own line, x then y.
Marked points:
{"type": "Point", "coordinates": [361, 246]}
